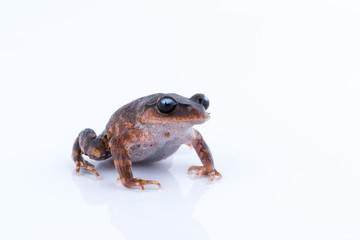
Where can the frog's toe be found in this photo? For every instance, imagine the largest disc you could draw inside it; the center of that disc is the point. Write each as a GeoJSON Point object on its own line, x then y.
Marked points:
{"type": "Point", "coordinates": [192, 168]}
{"type": "Point", "coordinates": [86, 165]}
{"type": "Point", "coordinates": [138, 183]}
{"type": "Point", "coordinates": [213, 174]}
{"type": "Point", "coordinates": [201, 170]}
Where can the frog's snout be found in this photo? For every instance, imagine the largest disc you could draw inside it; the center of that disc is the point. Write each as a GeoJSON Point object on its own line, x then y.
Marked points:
{"type": "Point", "coordinates": [198, 112]}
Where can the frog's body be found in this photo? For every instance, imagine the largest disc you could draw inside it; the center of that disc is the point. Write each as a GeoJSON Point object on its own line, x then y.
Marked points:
{"type": "Point", "coordinates": [148, 129]}
{"type": "Point", "coordinates": [162, 143]}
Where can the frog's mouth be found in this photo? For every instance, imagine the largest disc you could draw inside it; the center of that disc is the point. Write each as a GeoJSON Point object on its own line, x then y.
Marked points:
{"type": "Point", "coordinates": [193, 121]}
{"type": "Point", "coordinates": [175, 120]}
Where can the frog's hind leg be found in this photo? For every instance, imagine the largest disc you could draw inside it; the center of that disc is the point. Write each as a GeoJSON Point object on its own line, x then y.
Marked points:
{"type": "Point", "coordinates": [96, 147]}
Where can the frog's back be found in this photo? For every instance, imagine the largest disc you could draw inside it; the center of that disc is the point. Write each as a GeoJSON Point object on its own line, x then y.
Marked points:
{"type": "Point", "coordinates": [126, 117]}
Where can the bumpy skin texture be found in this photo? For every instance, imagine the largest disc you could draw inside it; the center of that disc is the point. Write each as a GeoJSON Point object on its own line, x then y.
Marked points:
{"type": "Point", "coordinates": [140, 131]}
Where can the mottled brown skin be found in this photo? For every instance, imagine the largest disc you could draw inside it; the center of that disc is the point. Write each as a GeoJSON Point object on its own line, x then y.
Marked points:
{"type": "Point", "coordinates": [140, 131]}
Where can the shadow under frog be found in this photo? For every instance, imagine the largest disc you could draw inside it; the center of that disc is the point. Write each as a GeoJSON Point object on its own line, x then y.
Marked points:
{"type": "Point", "coordinates": [164, 214]}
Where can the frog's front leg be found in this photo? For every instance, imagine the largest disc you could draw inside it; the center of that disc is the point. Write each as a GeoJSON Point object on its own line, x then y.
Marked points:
{"type": "Point", "coordinates": [96, 147]}
{"type": "Point", "coordinates": [123, 165]}
{"type": "Point", "coordinates": [205, 156]}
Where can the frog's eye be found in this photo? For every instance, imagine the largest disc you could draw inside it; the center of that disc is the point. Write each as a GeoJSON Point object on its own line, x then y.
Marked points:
{"type": "Point", "coordinates": [166, 105]}
{"type": "Point", "coordinates": [204, 101]}
{"type": "Point", "coordinates": [201, 99]}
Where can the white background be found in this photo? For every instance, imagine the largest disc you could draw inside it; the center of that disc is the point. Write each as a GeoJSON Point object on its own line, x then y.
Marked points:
{"type": "Point", "coordinates": [283, 79]}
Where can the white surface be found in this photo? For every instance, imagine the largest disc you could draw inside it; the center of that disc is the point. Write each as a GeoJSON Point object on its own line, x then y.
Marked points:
{"type": "Point", "coordinates": [283, 81]}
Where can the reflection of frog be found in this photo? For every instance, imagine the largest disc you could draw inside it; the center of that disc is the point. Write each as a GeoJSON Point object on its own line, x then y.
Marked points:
{"type": "Point", "coordinates": [150, 128]}
{"type": "Point", "coordinates": [174, 208]}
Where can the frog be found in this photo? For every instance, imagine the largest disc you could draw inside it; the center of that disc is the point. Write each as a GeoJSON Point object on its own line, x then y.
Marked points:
{"type": "Point", "coordinates": [148, 129]}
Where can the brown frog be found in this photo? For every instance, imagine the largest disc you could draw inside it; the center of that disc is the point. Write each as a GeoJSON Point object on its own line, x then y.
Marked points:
{"type": "Point", "coordinates": [148, 129]}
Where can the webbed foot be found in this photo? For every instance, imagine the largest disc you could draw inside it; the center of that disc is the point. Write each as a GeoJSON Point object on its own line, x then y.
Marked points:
{"type": "Point", "coordinates": [137, 182]}
{"type": "Point", "coordinates": [202, 170]}
{"type": "Point", "coordinates": [86, 165]}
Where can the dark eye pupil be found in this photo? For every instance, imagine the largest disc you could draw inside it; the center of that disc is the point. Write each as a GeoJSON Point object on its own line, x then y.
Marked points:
{"type": "Point", "coordinates": [166, 105]}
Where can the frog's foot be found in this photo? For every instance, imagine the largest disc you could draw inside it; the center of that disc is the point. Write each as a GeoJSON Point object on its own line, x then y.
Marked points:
{"type": "Point", "coordinates": [137, 182]}
{"type": "Point", "coordinates": [86, 165]}
{"type": "Point", "coordinates": [201, 170]}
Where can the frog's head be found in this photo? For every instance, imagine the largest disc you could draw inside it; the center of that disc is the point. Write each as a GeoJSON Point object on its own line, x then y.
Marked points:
{"type": "Point", "coordinates": [173, 108]}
